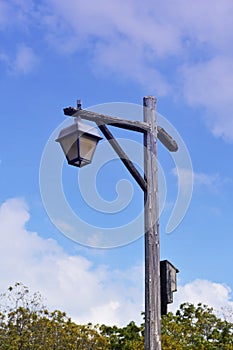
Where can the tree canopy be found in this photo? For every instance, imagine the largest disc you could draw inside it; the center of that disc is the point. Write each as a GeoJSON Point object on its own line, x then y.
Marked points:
{"type": "Point", "coordinates": [25, 324]}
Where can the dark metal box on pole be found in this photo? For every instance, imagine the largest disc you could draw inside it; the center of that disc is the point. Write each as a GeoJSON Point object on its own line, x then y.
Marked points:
{"type": "Point", "coordinates": [168, 284]}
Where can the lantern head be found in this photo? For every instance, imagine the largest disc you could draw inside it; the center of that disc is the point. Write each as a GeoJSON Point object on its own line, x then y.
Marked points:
{"type": "Point", "coordinates": [79, 142]}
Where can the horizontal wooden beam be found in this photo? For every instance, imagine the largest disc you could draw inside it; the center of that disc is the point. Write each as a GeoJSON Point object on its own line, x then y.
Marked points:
{"type": "Point", "coordinates": [138, 126]}
{"type": "Point", "coordinates": [114, 121]}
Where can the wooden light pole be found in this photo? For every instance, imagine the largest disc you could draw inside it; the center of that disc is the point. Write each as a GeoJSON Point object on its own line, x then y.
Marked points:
{"type": "Point", "coordinates": [151, 213]}
{"type": "Point", "coordinates": [149, 185]}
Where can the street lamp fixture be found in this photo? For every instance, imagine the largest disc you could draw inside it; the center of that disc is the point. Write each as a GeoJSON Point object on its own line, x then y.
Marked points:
{"type": "Point", "coordinates": [79, 142]}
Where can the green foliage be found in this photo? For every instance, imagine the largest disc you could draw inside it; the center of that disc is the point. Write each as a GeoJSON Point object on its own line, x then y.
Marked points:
{"type": "Point", "coordinates": [196, 328]}
{"type": "Point", "coordinates": [126, 338]}
{"type": "Point", "coordinates": [25, 324]}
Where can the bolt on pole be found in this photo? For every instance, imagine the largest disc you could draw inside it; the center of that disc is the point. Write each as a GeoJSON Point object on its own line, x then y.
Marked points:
{"type": "Point", "coordinates": [152, 250]}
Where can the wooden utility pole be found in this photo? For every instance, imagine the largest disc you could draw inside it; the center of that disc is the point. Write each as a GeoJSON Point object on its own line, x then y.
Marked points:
{"type": "Point", "coordinates": [152, 254]}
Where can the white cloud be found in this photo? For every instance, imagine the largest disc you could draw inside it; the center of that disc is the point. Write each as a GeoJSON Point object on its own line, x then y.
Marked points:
{"type": "Point", "coordinates": [117, 57]}
{"type": "Point", "coordinates": [135, 41]}
{"type": "Point", "coordinates": [3, 14]}
{"type": "Point", "coordinates": [209, 84]}
{"type": "Point", "coordinates": [165, 48]}
{"type": "Point", "coordinates": [205, 81]}
{"type": "Point", "coordinates": [191, 20]}
{"type": "Point", "coordinates": [24, 61]}
{"type": "Point", "coordinates": [73, 284]}
{"type": "Point", "coordinates": [108, 21]}
{"type": "Point", "coordinates": [212, 182]}
{"type": "Point", "coordinates": [215, 295]}
{"type": "Point", "coordinates": [120, 36]}
{"type": "Point", "coordinates": [16, 13]}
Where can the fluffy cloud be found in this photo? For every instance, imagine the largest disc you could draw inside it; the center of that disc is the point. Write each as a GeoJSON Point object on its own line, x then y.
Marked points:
{"type": "Point", "coordinates": [24, 61]}
{"type": "Point", "coordinates": [190, 19]}
{"type": "Point", "coordinates": [69, 283]}
{"type": "Point", "coordinates": [115, 21]}
{"type": "Point", "coordinates": [215, 295]}
{"type": "Point", "coordinates": [3, 14]}
{"type": "Point", "coordinates": [212, 182]}
{"type": "Point", "coordinates": [209, 84]}
{"type": "Point", "coordinates": [88, 293]}
{"type": "Point", "coordinates": [16, 13]}
{"type": "Point", "coordinates": [120, 37]}
{"type": "Point", "coordinates": [165, 47]}
{"type": "Point", "coordinates": [139, 42]}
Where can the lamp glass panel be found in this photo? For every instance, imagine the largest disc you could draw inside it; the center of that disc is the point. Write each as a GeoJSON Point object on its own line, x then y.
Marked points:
{"type": "Point", "coordinates": [69, 142]}
{"type": "Point", "coordinates": [73, 152]}
{"type": "Point", "coordinates": [69, 145]}
{"type": "Point", "coordinates": [87, 147]}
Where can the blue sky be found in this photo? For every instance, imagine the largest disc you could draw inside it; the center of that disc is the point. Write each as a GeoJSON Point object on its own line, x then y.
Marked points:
{"type": "Point", "coordinates": [55, 52]}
